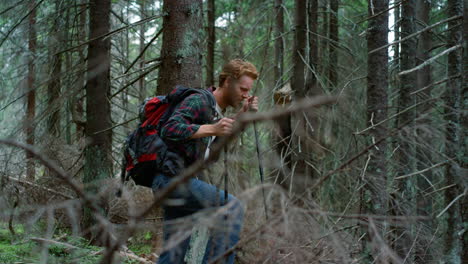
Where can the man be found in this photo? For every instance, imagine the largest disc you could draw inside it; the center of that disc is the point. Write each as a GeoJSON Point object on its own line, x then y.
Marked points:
{"type": "Point", "coordinates": [189, 132]}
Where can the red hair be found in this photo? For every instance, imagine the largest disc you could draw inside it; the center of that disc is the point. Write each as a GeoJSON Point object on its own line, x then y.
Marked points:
{"type": "Point", "coordinates": [237, 68]}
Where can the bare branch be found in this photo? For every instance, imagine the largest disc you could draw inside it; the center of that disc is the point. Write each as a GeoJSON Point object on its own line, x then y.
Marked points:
{"type": "Point", "coordinates": [429, 61]}
{"type": "Point", "coordinates": [416, 33]}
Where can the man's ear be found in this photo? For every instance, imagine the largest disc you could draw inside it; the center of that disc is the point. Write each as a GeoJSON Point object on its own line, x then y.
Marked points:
{"type": "Point", "coordinates": [227, 82]}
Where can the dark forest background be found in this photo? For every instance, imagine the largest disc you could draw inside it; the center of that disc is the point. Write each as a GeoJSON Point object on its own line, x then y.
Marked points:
{"type": "Point", "coordinates": [362, 126]}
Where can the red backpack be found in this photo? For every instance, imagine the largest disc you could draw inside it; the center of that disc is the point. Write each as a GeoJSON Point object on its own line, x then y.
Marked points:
{"type": "Point", "coordinates": [145, 152]}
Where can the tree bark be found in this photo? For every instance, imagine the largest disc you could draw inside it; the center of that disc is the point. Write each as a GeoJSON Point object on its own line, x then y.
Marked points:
{"type": "Point", "coordinates": [423, 148]}
{"type": "Point", "coordinates": [211, 44]}
{"type": "Point", "coordinates": [406, 151]}
{"type": "Point", "coordinates": [396, 53]}
{"type": "Point", "coordinates": [141, 81]}
{"type": "Point", "coordinates": [180, 53]}
{"type": "Point", "coordinates": [76, 103]}
{"type": "Point", "coordinates": [313, 47]}
{"type": "Point", "coordinates": [332, 55]}
{"type": "Point", "coordinates": [284, 123]}
{"type": "Point", "coordinates": [299, 87]}
{"type": "Point", "coordinates": [464, 125]}
{"type": "Point", "coordinates": [31, 94]}
{"type": "Point", "coordinates": [377, 87]}
{"type": "Point", "coordinates": [453, 243]}
{"type": "Point", "coordinates": [53, 89]}
{"type": "Point", "coordinates": [298, 81]}
{"type": "Point", "coordinates": [98, 162]}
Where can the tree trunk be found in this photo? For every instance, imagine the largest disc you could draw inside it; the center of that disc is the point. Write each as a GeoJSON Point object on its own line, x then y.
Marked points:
{"type": "Point", "coordinates": [98, 162]}
{"type": "Point", "coordinates": [377, 87]}
{"type": "Point", "coordinates": [464, 126]}
{"type": "Point", "coordinates": [313, 47]}
{"type": "Point", "coordinates": [332, 55]}
{"type": "Point", "coordinates": [324, 30]}
{"type": "Point", "coordinates": [141, 81]}
{"type": "Point", "coordinates": [453, 244]}
{"type": "Point", "coordinates": [53, 89]}
{"type": "Point", "coordinates": [31, 94]}
{"type": "Point", "coordinates": [396, 53]}
{"type": "Point", "coordinates": [68, 66]}
{"type": "Point", "coordinates": [423, 148]}
{"type": "Point", "coordinates": [406, 152]}
{"type": "Point", "coordinates": [211, 44]}
{"type": "Point", "coordinates": [180, 53]}
{"type": "Point", "coordinates": [298, 85]}
{"type": "Point", "coordinates": [298, 81]}
{"type": "Point", "coordinates": [76, 103]}
{"type": "Point", "coordinates": [284, 123]}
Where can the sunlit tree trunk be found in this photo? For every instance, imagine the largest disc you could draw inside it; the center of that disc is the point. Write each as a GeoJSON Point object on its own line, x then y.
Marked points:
{"type": "Point", "coordinates": [181, 52]}
{"type": "Point", "coordinates": [98, 162]}
{"type": "Point", "coordinates": [31, 94]}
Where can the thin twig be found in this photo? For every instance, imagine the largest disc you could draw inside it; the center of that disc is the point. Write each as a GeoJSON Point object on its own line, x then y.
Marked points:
{"type": "Point", "coordinates": [395, 115]}
{"type": "Point", "coordinates": [436, 83]}
{"type": "Point", "coordinates": [422, 171]}
{"type": "Point", "coordinates": [110, 33]}
{"type": "Point", "coordinates": [21, 20]}
{"type": "Point", "coordinates": [381, 12]}
{"type": "Point", "coordinates": [451, 203]}
{"type": "Point", "coordinates": [144, 50]}
{"type": "Point", "coordinates": [114, 126]}
{"type": "Point", "coordinates": [441, 189]}
{"type": "Point", "coordinates": [135, 80]}
{"type": "Point", "coordinates": [429, 61]}
{"type": "Point", "coordinates": [415, 34]}
{"type": "Point", "coordinates": [40, 187]}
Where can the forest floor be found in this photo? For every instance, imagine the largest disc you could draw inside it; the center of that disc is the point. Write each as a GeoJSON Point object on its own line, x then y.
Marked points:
{"type": "Point", "coordinates": [25, 247]}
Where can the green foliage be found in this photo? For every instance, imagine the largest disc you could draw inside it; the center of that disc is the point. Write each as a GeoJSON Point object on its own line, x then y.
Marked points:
{"type": "Point", "coordinates": [19, 248]}
{"type": "Point", "coordinates": [141, 243]}
{"type": "Point", "coordinates": [12, 247]}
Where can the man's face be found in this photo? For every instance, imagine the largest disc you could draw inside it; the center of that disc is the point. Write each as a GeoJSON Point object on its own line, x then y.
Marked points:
{"type": "Point", "coordinates": [238, 90]}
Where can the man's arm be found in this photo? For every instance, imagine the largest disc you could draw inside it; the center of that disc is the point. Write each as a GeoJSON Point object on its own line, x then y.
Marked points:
{"type": "Point", "coordinates": [187, 118]}
{"type": "Point", "coordinates": [221, 128]}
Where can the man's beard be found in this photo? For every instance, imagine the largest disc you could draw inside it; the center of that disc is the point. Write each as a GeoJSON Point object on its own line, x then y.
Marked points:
{"type": "Point", "coordinates": [232, 99]}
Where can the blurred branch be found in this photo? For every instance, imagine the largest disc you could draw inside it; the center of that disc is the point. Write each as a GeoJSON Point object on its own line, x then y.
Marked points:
{"type": "Point", "coordinates": [40, 187]}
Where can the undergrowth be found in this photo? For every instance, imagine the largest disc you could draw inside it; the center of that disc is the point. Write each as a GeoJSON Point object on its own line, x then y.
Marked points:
{"type": "Point", "coordinates": [20, 248]}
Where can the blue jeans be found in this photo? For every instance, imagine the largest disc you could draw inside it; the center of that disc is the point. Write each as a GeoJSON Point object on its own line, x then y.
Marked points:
{"type": "Point", "coordinates": [193, 197]}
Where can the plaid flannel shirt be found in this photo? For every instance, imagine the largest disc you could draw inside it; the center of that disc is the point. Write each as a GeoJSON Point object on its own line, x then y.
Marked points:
{"type": "Point", "coordinates": [189, 115]}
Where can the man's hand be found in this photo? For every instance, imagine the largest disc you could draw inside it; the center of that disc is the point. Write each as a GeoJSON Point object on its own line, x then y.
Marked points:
{"type": "Point", "coordinates": [250, 104]}
{"type": "Point", "coordinates": [223, 127]}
